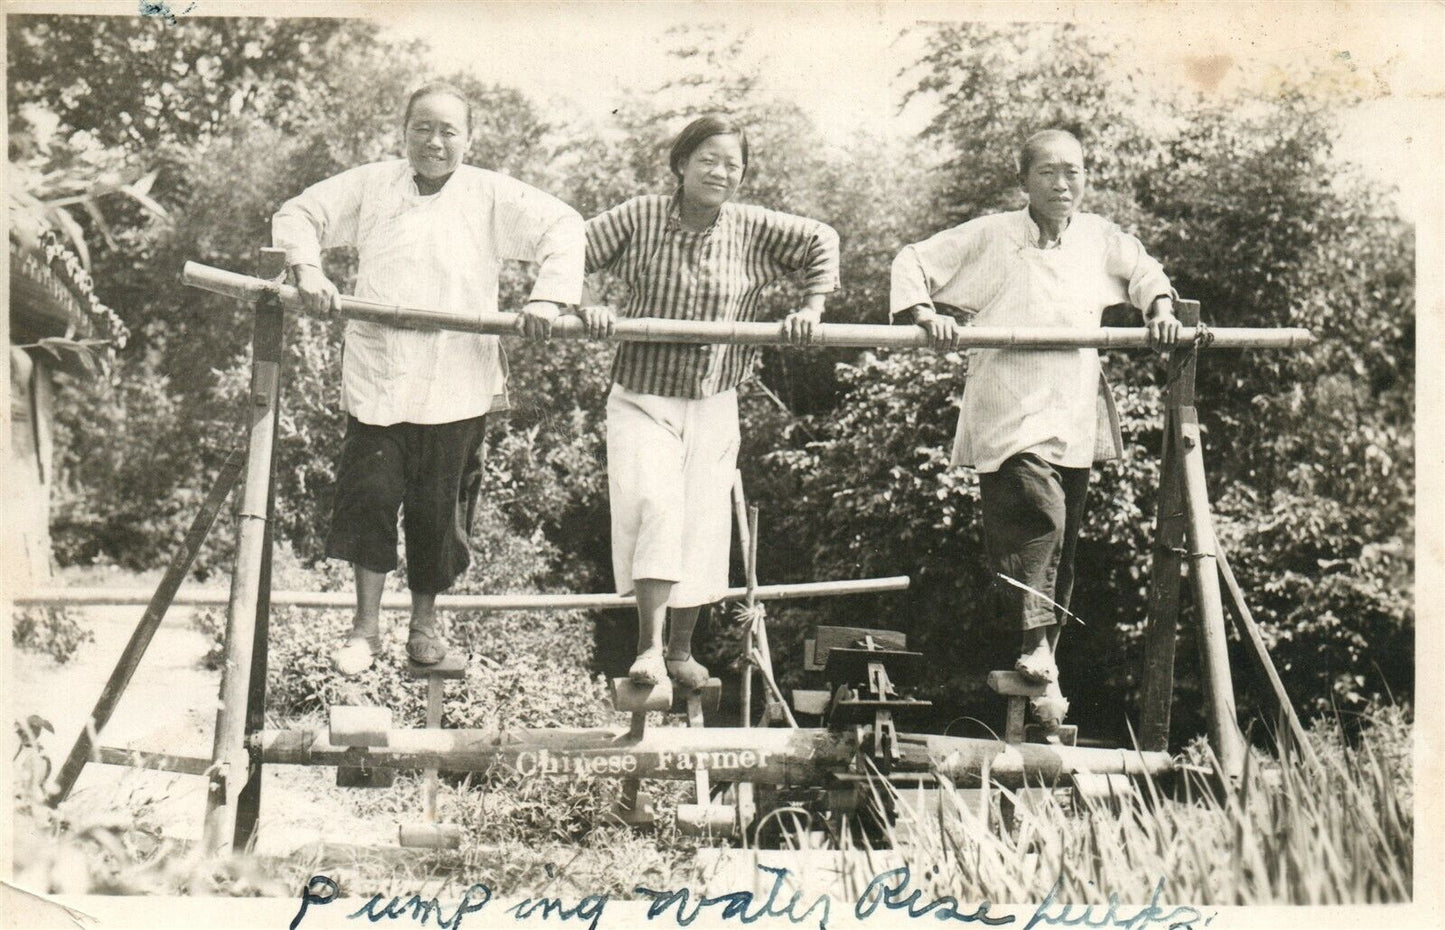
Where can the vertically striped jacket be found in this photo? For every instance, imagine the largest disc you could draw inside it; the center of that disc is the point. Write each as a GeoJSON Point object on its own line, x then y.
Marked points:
{"type": "Point", "coordinates": [716, 274]}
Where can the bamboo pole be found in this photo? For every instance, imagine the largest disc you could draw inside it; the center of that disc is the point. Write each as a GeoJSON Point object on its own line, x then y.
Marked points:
{"type": "Point", "coordinates": [271, 265]}
{"type": "Point", "coordinates": [1249, 632]}
{"type": "Point", "coordinates": [1224, 733]}
{"type": "Point", "coordinates": [842, 335]}
{"type": "Point", "coordinates": [759, 755]}
{"type": "Point", "coordinates": [338, 600]}
{"type": "Point", "coordinates": [229, 754]}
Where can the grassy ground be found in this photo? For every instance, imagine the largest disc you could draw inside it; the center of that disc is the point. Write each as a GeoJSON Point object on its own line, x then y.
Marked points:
{"type": "Point", "coordinates": [1341, 832]}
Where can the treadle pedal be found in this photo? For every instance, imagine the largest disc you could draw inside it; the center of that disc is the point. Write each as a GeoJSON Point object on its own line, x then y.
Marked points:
{"type": "Point", "coordinates": [429, 835]}
{"type": "Point", "coordinates": [850, 666]}
{"type": "Point", "coordinates": [453, 666]}
{"type": "Point", "coordinates": [1066, 735]}
{"type": "Point", "coordinates": [848, 712]}
{"type": "Point", "coordinates": [1012, 684]}
{"type": "Point", "coordinates": [358, 726]}
{"type": "Point", "coordinates": [630, 697]}
{"type": "Point", "coordinates": [711, 694]}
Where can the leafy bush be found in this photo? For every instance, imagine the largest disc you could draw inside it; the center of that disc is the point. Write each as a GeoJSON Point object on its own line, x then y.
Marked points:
{"type": "Point", "coordinates": [51, 631]}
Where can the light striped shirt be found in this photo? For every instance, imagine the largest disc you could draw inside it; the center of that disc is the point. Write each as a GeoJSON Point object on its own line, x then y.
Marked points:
{"type": "Point", "coordinates": [443, 252]}
{"type": "Point", "coordinates": [716, 274]}
{"type": "Point", "coordinates": [1052, 402]}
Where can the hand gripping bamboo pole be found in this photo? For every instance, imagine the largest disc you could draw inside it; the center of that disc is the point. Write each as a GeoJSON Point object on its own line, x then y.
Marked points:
{"type": "Point", "coordinates": [839, 335]}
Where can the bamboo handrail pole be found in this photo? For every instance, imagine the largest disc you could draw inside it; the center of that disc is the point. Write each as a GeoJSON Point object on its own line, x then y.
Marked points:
{"type": "Point", "coordinates": [837, 335]}
{"type": "Point", "coordinates": [212, 597]}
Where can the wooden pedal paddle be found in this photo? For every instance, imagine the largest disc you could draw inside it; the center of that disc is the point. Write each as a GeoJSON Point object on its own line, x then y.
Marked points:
{"type": "Point", "coordinates": [704, 817]}
{"type": "Point", "coordinates": [429, 834]}
{"type": "Point", "coordinates": [359, 729]}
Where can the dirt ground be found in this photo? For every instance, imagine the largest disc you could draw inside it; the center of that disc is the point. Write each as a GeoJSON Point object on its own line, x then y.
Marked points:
{"type": "Point", "coordinates": [169, 706]}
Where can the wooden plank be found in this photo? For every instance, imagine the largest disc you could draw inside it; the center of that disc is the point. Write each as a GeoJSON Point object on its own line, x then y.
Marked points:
{"type": "Point", "coordinates": [156, 761]}
{"type": "Point", "coordinates": [854, 335]}
{"type": "Point", "coordinates": [850, 637]}
{"type": "Point", "coordinates": [156, 606]}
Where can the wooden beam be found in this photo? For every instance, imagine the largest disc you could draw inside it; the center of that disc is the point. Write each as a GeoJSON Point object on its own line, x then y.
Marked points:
{"type": "Point", "coordinates": [1161, 631]}
{"type": "Point", "coordinates": [157, 603]}
{"type": "Point", "coordinates": [1259, 652]}
{"type": "Point", "coordinates": [775, 756]}
{"type": "Point", "coordinates": [229, 754]}
{"type": "Point", "coordinates": [272, 266]}
{"type": "Point", "coordinates": [1224, 733]}
{"type": "Point", "coordinates": [852, 335]}
{"type": "Point", "coordinates": [158, 761]}
{"type": "Point", "coordinates": [345, 600]}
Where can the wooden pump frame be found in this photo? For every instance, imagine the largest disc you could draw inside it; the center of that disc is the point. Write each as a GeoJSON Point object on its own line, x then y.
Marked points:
{"type": "Point", "coordinates": [1184, 537]}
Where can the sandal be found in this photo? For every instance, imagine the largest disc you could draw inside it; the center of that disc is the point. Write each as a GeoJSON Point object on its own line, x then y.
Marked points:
{"type": "Point", "coordinates": [648, 669]}
{"type": "Point", "coordinates": [689, 673]}
{"type": "Point", "coordinates": [425, 647]}
{"type": "Point", "coordinates": [356, 656]}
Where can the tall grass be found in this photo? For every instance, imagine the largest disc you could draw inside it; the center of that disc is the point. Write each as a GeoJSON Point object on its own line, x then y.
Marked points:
{"type": "Point", "coordinates": [1339, 832]}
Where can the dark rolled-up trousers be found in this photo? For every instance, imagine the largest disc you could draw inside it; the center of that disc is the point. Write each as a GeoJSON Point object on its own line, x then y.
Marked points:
{"type": "Point", "coordinates": [433, 473]}
{"type": "Point", "coordinates": [1032, 510]}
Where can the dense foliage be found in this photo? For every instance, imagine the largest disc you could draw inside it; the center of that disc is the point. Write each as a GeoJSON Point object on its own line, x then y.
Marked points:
{"type": "Point", "coordinates": [1310, 453]}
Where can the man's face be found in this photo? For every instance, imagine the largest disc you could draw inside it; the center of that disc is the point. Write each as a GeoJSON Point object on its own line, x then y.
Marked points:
{"type": "Point", "coordinates": [436, 135]}
{"type": "Point", "coordinates": [712, 173]}
{"type": "Point", "coordinates": [1056, 180]}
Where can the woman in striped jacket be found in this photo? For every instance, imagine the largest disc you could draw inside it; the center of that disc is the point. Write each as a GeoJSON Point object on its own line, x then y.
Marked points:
{"type": "Point", "coordinates": [672, 414]}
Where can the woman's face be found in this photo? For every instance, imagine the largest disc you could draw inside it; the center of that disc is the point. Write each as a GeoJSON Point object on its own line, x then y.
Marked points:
{"type": "Point", "coordinates": [436, 135]}
{"type": "Point", "coordinates": [714, 171]}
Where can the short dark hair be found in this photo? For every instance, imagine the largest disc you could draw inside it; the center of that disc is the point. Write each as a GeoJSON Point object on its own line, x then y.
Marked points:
{"type": "Point", "coordinates": [699, 131]}
{"type": "Point", "coordinates": [1033, 143]}
{"type": "Point", "coordinates": [432, 89]}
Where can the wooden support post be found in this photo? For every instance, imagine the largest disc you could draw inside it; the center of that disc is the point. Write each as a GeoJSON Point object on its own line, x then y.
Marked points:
{"type": "Point", "coordinates": [1292, 731]}
{"type": "Point", "coordinates": [229, 755]}
{"type": "Point", "coordinates": [1224, 733]}
{"type": "Point", "coordinates": [272, 265]}
{"type": "Point", "coordinates": [145, 630]}
{"type": "Point", "coordinates": [1169, 524]}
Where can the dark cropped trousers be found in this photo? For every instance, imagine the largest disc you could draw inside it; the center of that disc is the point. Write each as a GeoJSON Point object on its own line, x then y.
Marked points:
{"type": "Point", "coordinates": [432, 473]}
{"type": "Point", "coordinates": [1032, 511]}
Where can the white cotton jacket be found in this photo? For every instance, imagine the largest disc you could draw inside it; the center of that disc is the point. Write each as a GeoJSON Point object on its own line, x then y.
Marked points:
{"type": "Point", "coordinates": [1052, 402]}
{"type": "Point", "coordinates": [441, 252]}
